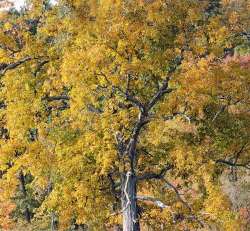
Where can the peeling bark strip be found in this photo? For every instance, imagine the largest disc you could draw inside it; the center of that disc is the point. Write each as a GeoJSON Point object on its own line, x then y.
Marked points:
{"type": "Point", "coordinates": [129, 203]}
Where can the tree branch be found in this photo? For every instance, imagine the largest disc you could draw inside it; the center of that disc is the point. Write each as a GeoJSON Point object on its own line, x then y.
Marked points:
{"type": "Point", "coordinates": [193, 216]}
{"type": "Point", "coordinates": [237, 154]}
{"type": "Point", "coordinates": [161, 205]}
{"type": "Point", "coordinates": [222, 109]}
{"type": "Point", "coordinates": [232, 164]}
{"type": "Point", "coordinates": [129, 97]}
{"type": "Point", "coordinates": [92, 108]}
{"type": "Point", "coordinates": [155, 201]}
{"type": "Point", "coordinates": [162, 91]}
{"type": "Point", "coordinates": [10, 66]}
{"type": "Point", "coordinates": [39, 67]}
{"type": "Point", "coordinates": [178, 195]}
{"type": "Point", "coordinates": [234, 160]}
{"type": "Point", "coordinates": [157, 176]}
{"type": "Point", "coordinates": [173, 116]}
{"type": "Point", "coordinates": [55, 98]}
{"type": "Point", "coordinates": [113, 187]}
{"type": "Point", "coordinates": [6, 48]}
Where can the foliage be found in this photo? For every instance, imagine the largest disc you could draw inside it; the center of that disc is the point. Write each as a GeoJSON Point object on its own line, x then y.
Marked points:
{"type": "Point", "coordinates": [85, 82]}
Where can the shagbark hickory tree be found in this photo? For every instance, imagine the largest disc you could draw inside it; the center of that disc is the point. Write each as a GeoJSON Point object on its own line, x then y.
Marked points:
{"type": "Point", "coordinates": [119, 114]}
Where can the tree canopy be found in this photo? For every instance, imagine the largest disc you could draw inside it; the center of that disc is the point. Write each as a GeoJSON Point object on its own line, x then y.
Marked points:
{"type": "Point", "coordinates": [120, 113]}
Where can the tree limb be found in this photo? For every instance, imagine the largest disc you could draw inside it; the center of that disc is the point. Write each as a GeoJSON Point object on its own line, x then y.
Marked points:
{"type": "Point", "coordinates": [161, 205]}
{"type": "Point", "coordinates": [162, 91]}
{"type": "Point", "coordinates": [113, 186]}
{"type": "Point", "coordinates": [178, 195]}
{"type": "Point", "coordinates": [39, 67]}
{"type": "Point", "coordinates": [173, 116]}
{"type": "Point", "coordinates": [155, 201]}
{"type": "Point", "coordinates": [55, 98]}
{"type": "Point", "coordinates": [92, 108]}
{"type": "Point", "coordinates": [11, 66]}
{"type": "Point", "coordinates": [232, 164]}
{"type": "Point", "coordinates": [193, 216]}
{"type": "Point", "coordinates": [222, 109]}
{"type": "Point", "coordinates": [160, 175]}
{"type": "Point", "coordinates": [7, 48]}
{"type": "Point", "coordinates": [128, 96]}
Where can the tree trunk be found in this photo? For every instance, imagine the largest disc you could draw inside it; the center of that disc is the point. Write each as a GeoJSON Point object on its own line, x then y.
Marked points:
{"type": "Point", "coordinates": [129, 203]}
{"type": "Point", "coordinates": [27, 213]}
{"type": "Point", "coordinates": [53, 225]}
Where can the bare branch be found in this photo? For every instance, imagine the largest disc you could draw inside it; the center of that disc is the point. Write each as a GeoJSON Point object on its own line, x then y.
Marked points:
{"type": "Point", "coordinates": [92, 108]}
{"type": "Point", "coordinates": [161, 205]}
{"type": "Point", "coordinates": [193, 216]}
{"type": "Point", "coordinates": [113, 187]}
{"type": "Point", "coordinates": [133, 100]}
{"type": "Point", "coordinates": [222, 109]}
{"type": "Point", "coordinates": [232, 164]}
{"type": "Point", "coordinates": [155, 201]}
{"type": "Point", "coordinates": [39, 67]}
{"type": "Point", "coordinates": [178, 195]}
{"type": "Point", "coordinates": [160, 175]}
{"type": "Point", "coordinates": [237, 154]}
{"type": "Point", "coordinates": [129, 97]}
{"type": "Point", "coordinates": [11, 66]}
{"type": "Point", "coordinates": [7, 48]}
{"type": "Point", "coordinates": [55, 98]}
{"type": "Point", "coordinates": [174, 115]}
{"type": "Point", "coordinates": [161, 92]}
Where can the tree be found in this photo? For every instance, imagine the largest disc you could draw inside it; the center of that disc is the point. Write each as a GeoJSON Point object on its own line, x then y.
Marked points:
{"type": "Point", "coordinates": [127, 108]}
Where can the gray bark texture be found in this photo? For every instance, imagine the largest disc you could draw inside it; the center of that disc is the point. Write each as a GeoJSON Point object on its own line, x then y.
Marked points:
{"type": "Point", "coordinates": [129, 204]}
